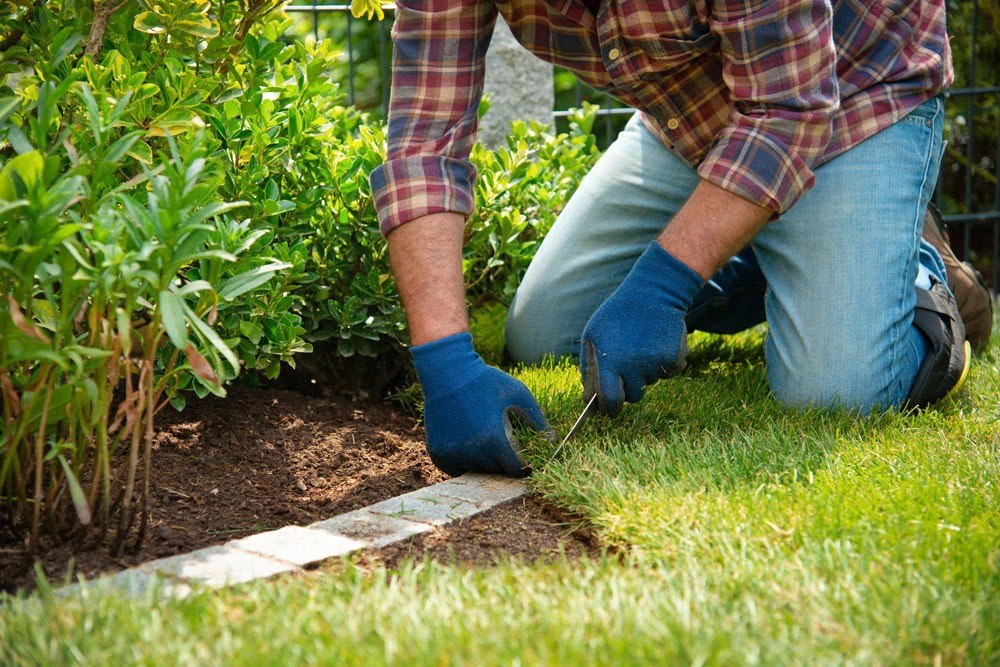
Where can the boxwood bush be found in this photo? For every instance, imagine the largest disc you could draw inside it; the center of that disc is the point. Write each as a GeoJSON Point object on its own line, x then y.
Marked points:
{"type": "Point", "coordinates": [130, 268]}
{"type": "Point", "coordinates": [184, 197]}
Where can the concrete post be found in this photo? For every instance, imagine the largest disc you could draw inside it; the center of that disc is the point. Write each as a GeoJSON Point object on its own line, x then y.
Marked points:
{"type": "Point", "coordinates": [519, 85]}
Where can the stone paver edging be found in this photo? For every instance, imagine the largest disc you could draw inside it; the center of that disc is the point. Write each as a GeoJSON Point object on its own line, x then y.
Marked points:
{"type": "Point", "coordinates": [292, 548]}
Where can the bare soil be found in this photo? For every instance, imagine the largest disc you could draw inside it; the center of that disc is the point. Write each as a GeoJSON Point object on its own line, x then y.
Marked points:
{"type": "Point", "coordinates": [262, 459]}
{"type": "Point", "coordinates": [525, 529]}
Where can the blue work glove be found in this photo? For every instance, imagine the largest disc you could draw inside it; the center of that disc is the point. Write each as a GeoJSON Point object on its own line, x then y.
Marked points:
{"type": "Point", "coordinates": [638, 335]}
{"type": "Point", "coordinates": [468, 407]}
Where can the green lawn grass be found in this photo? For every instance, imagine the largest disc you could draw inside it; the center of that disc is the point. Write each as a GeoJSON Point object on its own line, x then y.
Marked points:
{"type": "Point", "coordinates": [738, 533]}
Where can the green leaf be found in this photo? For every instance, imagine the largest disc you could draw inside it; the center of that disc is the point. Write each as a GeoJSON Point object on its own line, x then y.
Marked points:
{"type": "Point", "coordinates": [61, 397]}
{"type": "Point", "coordinates": [17, 139]}
{"type": "Point", "coordinates": [23, 170]}
{"type": "Point", "coordinates": [172, 313]}
{"type": "Point", "coordinates": [41, 310]}
{"type": "Point", "coordinates": [141, 152]}
{"type": "Point", "coordinates": [272, 51]}
{"type": "Point", "coordinates": [76, 493]}
{"type": "Point", "coordinates": [90, 390]}
{"type": "Point", "coordinates": [122, 146]}
{"type": "Point", "coordinates": [208, 333]}
{"type": "Point", "coordinates": [178, 402]}
{"type": "Point", "coordinates": [65, 49]}
{"type": "Point", "coordinates": [149, 22]}
{"type": "Point", "coordinates": [346, 348]}
{"type": "Point", "coordinates": [124, 331]}
{"type": "Point", "coordinates": [271, 189]}
{"type": "Point", "coordinates": [248, 280]}
{"type": "Point", "coordinates": [198, 26]}
{"type": "Point", "coordinates": [174, 120]}
{"type": "Point", "coordinates": [194, 287]}
{"type": "Point", "coordinates": [253, 331]}
{"type": "Point", "coordinates": [200, 390]}
{"type": "Point", "coordinates": [231, 108]}
{"type": "Point", "coordinates": [8, 107]}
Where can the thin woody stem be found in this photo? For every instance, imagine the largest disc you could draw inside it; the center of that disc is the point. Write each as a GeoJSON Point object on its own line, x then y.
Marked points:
{"type": "Point", "coordinates": [102, 12]}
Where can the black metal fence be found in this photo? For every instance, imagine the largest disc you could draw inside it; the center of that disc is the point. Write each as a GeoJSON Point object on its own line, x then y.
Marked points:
{"type": "Point", "coordinates": [969, 184]}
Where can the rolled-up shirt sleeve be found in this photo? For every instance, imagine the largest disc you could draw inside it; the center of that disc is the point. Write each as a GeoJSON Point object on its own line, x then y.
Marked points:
{"type": "Point", "coordinates": [437, 82]}
{"type": "Point", "coordinates": [779, 64]}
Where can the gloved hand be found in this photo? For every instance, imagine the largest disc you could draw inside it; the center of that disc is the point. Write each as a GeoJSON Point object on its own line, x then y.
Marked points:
{"type": "Point", "coordinates": [638, 335]}
{"type": "Point", "coordinates": [468, 407]}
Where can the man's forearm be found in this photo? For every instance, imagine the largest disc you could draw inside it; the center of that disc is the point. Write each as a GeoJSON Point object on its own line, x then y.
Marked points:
{"type": "Point", "coordinates": [712, 226]}
{"type": "Point", "coordinates": [426, 256]}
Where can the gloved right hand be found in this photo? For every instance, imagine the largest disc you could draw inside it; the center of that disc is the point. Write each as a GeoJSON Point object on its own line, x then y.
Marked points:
{"type": "Point", "coordinates": [638, 335]}
{"type": "Point", "coordinates": [468, 407]}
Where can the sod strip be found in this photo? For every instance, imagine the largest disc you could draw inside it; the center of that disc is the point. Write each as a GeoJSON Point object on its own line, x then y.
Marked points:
{"type": "Point", "coordinates": [293, 548]}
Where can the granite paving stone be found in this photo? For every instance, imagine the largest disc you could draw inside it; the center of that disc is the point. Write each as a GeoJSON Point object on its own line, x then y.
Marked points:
{"type": "Point", "coordinates": [302, 546]}
{"type": "Point", "coordinates": [132, 583]}
{"type": "Point", "coordinates": [374, 530]}
{"type": "Point", "coordinates": [425, 506]}
{"type": "Point", "coordinates": [484, 490]}
{"type": "Point", "coordinates": [287, 549]}
{"type": "Point", "coordinates": [219, 566]}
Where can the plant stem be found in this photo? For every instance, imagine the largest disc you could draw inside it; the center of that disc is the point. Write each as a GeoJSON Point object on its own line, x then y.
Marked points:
{"type": "Point", "coordinates": [39, 467]}
{"type": "Point", "coordinates": [133, 462]}
{"type": "Point", "coordinates": [14, 36]}
{"type": "Point", "coordinates": [102, 12]}
{"type": "Point", "coordinates": [11, 40]}
{"type": "Point", "coordinates": [147, 446]}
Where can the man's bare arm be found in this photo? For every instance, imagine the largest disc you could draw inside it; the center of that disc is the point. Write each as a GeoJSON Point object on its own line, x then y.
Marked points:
{"type": "Point", "coordinates": [467, 404]}
{"type": "Point", "coordinates": [712, 226]}
{"type": "Point", "coordinates": [426, 256]}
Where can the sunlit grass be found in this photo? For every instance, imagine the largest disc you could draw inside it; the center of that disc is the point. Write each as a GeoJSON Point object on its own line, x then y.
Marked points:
{"type": "Point", "coordinates": [740, 533]}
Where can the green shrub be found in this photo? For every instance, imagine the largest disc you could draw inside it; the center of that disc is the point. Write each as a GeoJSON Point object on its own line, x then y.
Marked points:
{"type": "Point", "coordinates": [183, 197]}
{"type": "Point", "coordinates": [361, 44]}
{"type": "Point", "coordinates": [130, 270]}
{"type": "Point", "coordinates": [348, 301]}
{"type": "Point", "coordinates": [519, 194]}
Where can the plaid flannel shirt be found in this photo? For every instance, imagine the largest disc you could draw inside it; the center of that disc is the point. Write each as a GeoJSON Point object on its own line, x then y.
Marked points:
{"type": "Point", "coordinates": [753, 93]}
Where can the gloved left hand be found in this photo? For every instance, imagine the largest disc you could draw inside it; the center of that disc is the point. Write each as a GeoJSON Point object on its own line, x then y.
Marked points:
{"type": "Point", "coordinates": [638, 335]}
{"type": "Point", "coordinates": [468, 408]}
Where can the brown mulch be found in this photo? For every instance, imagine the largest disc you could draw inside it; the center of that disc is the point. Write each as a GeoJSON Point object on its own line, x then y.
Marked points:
{"type": "Point", "coordinates": [257, 460]}
{"type": "Point", "coordinates": [262, 459]}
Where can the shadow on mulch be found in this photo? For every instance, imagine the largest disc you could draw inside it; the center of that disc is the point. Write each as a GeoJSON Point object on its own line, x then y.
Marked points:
{"type": "Point", "coordinates": [257, 460]}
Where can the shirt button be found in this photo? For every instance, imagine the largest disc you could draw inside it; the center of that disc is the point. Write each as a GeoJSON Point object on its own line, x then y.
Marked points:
{"type": "Point", "coordinates": [614, 54]}
{"type": "Point", "coordinates": [673, 124]}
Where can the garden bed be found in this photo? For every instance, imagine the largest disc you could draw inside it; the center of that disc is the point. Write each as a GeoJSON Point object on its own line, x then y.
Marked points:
{"type": "Point", "coordinates": [257, 460]}
{"type": "Point", "coordinates": [262, 459]}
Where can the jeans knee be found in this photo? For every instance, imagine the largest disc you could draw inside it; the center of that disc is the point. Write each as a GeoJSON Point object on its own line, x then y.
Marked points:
{"type": "Point", "coordinates": [530, 335]}
{"type": "Point", "coordinates": [517, 342]}
{"type": "Point", "coordinates": [829, 383]}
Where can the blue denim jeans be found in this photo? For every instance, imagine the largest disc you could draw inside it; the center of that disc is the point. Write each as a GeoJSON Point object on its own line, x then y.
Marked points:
{"type": "Point", "coordinates": [835, 277]}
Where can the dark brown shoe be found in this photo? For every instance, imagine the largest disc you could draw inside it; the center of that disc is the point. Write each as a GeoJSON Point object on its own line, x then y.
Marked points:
{"type": "Point", "coordinates": [975, 303]}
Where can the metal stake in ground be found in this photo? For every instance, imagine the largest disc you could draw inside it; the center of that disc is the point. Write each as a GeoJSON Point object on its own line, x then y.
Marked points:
{"type": "Point", "coordinates": [587, 412]}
